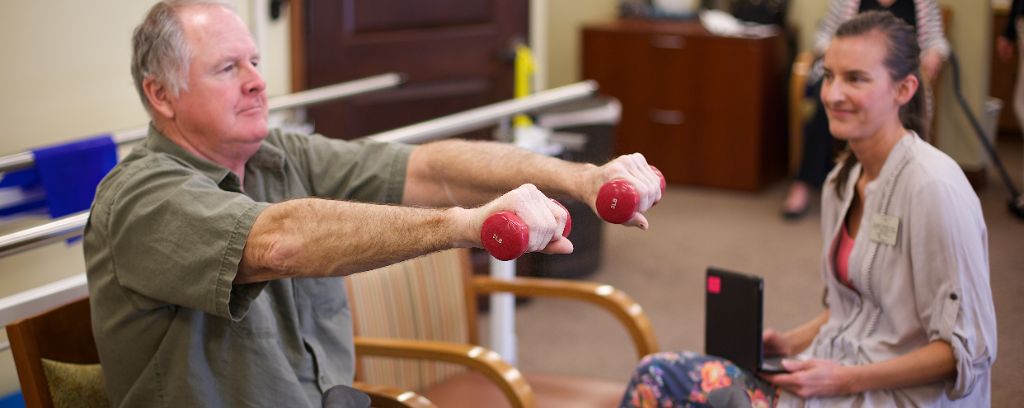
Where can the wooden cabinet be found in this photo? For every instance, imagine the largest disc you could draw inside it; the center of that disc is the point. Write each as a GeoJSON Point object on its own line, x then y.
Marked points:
{"type": "Point", "coordinates": [706, 110]}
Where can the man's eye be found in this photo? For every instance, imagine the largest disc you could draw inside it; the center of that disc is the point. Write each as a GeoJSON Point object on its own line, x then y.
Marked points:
{"type": "Point", "coordinates": [255, 63]}
{"type": "Point", "coordinates": [228, 68]}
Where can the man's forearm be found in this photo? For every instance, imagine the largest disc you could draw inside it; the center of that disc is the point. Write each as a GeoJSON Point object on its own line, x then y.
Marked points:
{"type": "Point", "coordinates": [314, 237]}
{"type": "Point", "coordinates": [458, 172]}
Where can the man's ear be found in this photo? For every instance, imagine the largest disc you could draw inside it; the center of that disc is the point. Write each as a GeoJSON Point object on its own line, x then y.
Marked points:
{"type": "Point", "coordinates": [159, 97]}
{"type": "Point", "coordinates": [906, 89]}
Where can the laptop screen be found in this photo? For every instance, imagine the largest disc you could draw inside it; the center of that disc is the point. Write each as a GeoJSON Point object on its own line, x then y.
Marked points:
{"type": "Point", "coordinates": [733, 317]}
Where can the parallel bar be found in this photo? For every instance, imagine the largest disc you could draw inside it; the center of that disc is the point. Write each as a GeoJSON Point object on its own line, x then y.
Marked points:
{"type": "Point", "coordinates": [486, 115]}
{"type": "Point", "coordinates": [37, 300]}
{"type": "Point", "coordinates": [23, 160]}
{"type": "Point", "coordinates": [40, 235]}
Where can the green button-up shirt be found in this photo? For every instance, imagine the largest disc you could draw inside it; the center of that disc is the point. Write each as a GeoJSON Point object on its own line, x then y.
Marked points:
{"type": "Point", "coordinates": [163, 245]}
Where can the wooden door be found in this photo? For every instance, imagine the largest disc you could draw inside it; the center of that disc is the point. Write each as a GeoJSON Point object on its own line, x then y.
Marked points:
{"type": "Point", "coordinates": [456, 55]}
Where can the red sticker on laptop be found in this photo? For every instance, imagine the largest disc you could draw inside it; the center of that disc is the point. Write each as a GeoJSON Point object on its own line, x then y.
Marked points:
{"type": "Point", "coordinates": [714, 284]}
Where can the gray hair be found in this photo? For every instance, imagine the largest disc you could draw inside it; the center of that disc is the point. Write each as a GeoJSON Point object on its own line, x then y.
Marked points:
{"type": "Point", "coordinates": [160, 50]}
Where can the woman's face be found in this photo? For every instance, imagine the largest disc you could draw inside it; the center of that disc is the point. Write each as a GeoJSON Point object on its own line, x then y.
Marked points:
{"type": "Point", "coordinates": [859, 95]}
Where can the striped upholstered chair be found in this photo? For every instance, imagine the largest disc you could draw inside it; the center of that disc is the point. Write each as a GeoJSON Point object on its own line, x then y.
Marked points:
{"type": "Point", "coordinates": [415, 327]}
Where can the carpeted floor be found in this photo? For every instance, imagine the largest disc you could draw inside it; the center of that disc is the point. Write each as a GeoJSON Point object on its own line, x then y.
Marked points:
{"type": "Point", "coordinates": [692, 228]}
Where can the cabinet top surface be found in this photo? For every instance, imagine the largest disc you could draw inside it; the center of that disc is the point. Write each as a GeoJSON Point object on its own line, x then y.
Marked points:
{"type": "Point", "coordinates": [644, 26]}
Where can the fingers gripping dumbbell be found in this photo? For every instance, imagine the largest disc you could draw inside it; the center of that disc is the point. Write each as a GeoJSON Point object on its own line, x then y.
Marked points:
{"type": "Point", "coordinates": [618, 200]}
{"type": "Point", "coordinates": [505, 236]}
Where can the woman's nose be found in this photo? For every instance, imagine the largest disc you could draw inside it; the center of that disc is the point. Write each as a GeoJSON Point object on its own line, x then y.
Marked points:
{"type": "Point", "coordinates": [831, 91]}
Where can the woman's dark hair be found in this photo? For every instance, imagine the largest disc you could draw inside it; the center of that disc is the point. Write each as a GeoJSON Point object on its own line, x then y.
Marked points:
{"type": "Point", "coordinates": [903, 58]}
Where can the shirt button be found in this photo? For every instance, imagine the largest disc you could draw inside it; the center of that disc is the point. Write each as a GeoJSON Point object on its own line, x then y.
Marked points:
{"type": "Point", "coordinates": [952, 296]}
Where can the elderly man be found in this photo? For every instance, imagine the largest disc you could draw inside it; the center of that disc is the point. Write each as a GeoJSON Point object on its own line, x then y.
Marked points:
{"type": "Point", "coordinates": [214, 273]}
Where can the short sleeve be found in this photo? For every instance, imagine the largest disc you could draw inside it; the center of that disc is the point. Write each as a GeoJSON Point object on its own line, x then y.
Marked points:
{"type": "Point", "coordinates": [176, 238]}
{"type": "Point", "coordinates": [362, 170]}
{"type": "Point", "coordinates": [951, 278]}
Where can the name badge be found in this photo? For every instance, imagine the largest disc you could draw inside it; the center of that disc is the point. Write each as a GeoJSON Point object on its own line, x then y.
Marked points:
{"type": "Point", "coordinates": [885, 229]}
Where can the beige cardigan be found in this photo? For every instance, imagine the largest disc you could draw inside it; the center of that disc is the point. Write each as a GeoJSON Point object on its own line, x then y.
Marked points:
{"type": "Point", "coordinates": [925, 280]}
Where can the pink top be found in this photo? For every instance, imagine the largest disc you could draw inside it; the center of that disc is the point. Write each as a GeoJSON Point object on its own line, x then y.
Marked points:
{"type": "Point", "coordinates": [842, 258]}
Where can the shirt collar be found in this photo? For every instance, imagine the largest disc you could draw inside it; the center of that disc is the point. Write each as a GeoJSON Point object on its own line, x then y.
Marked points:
{"type": "Point", "coordinates": [268, 157]}
{"type": "Point", "coordinates": [895, 158]}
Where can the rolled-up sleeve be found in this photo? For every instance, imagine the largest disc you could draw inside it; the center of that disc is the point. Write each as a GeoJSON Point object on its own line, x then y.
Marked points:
{"type": "Point", "coordinates": [949, 253]}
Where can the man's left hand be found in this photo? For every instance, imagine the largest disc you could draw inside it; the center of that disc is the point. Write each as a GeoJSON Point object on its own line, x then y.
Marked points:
{"type": "Point", "coordinates": [634, 169]}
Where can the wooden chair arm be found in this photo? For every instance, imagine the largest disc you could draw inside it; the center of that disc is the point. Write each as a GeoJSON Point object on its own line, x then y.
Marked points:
{"type": "Point", "coordinates": [797, 112]}
{"type": "Point", "coordinates": [615, 301]}
{"type": "Point", "coordinates": [383, 396]}
{"type": "Point", "coordinates": [481, 359]}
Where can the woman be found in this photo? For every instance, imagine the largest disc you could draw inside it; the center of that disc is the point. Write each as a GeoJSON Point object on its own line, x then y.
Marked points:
{"type": "Point", "coordinates": [817, 154]}
{"type": "Point", "coordinates": [909, 318]}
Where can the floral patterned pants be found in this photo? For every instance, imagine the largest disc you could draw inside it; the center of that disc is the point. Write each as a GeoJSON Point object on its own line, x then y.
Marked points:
{"type": "Point", "coordinates": [684, 379]}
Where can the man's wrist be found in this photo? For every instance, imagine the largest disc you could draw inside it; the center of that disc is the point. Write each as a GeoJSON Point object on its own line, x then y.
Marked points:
{"type": "Point", "coordinates": [462, 229]}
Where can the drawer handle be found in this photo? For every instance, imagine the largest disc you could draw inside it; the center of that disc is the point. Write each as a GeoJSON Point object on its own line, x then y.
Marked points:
{"type": "Point", "coordinates": [667, 117]}
{"type": "Point", "coordinates": [668, 42]}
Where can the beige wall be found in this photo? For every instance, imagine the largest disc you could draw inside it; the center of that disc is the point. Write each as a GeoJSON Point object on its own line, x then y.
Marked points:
{"type": "Point", "coordinates": [65, 75]}
{"type": "Point", "coordinates": [564, 20]}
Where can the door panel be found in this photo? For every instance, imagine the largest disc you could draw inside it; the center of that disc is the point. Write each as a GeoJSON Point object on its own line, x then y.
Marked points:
{"type": "Point", "coordinates": [389, 15]}
{"type": "Point", "coordinates": [454, 53]}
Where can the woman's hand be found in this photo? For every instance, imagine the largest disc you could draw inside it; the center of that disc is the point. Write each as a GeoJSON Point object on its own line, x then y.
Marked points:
{"type": "Point", "coordinates": [776, 344]}
{"type": "Point", "coordinates": [931, 63]}
{"type": "Point", "coordinates": [814, 378]}
{"type": "Point", "coordinates": [1004, 48]}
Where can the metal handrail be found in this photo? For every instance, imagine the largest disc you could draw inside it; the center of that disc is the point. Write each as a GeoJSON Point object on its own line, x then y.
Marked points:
{"type": "Point", "coordinates": [43, 234]}
{"type": "Point", "coordinates": [24, 160]}
{"type": "Point", "coordinates": [485, 115]}
{"type": "Point", "coordinates": [444, 126]}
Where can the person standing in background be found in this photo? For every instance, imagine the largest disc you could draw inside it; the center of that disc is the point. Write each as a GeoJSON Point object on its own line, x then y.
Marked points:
{"type": "Point", "coordinates": [1005, 45]}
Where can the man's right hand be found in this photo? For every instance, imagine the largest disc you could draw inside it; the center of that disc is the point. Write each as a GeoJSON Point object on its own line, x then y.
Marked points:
{"type": "Point", "coordinates": [545, 219]}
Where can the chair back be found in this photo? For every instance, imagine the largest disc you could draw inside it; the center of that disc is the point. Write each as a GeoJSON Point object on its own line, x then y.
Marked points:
{"type": "Point", "coordinates": [56, 358]}
{"type": "Point", "coordinates": [426, 298]}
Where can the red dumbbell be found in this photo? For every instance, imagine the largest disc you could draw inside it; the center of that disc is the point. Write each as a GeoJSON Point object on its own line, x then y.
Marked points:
{"type": "Point", "coordinates": [505, 236]}
{"type": "Point", "coordinates": [617, 200]}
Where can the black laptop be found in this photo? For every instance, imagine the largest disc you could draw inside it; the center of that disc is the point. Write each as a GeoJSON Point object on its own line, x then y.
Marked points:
{"type": "Point", "coordinates": [733, 320]}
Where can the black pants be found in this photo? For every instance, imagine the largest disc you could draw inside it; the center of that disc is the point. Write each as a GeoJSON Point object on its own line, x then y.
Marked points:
{"type": "Point", "coordinates": [820, 148]}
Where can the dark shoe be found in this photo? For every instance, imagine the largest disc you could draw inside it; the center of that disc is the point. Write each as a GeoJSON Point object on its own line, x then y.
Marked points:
{"type": "Point", "coordinates": [797, 202]}
{"type": "Point", "coordinates": [794, 214]}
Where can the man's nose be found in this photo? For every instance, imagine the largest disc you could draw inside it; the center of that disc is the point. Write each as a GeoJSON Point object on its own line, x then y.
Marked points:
{"type": "Point", "coordinates": [254, 82]}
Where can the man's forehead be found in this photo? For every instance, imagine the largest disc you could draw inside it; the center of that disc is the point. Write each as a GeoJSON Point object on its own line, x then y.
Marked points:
{"type": "Point", "coordinates": [219, 26]}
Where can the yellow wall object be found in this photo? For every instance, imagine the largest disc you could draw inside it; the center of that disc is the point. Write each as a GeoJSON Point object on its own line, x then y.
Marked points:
{"type": "Point", "coordinates": [524, 73]}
